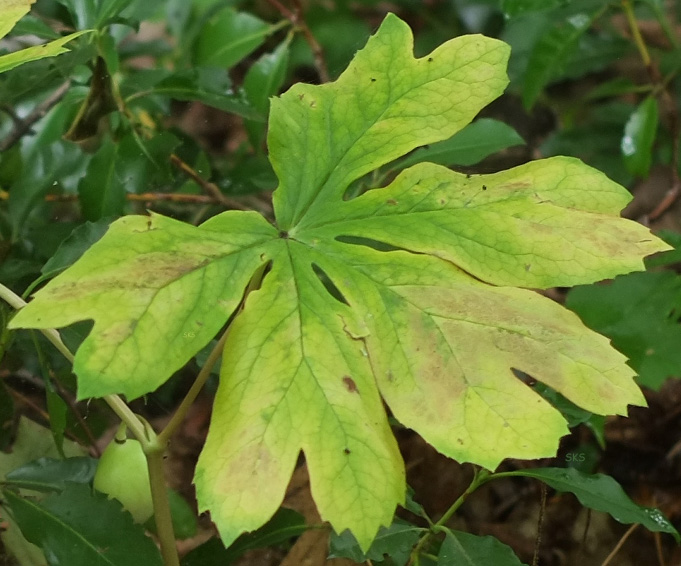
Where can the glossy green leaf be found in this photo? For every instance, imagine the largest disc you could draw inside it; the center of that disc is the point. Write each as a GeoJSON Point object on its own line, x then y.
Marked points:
{"type": "Point", "coordinates": [639, 136]}
{"type": "Point", "coordinates": [80, 527]}
{"type": "Point", "coordinates": [467, 147]}
{"type": "Point", "coordinates": [228, 37]}
{"type": "Point", "coordinates": [640, 313]}
{"type": "Point", "coordinates": [263, 80]}
{"type": "Point", "coordinates": [464, 549]}
{"type": "Point", "coordinates": [601, 493]}
{"type": "Point", "coordinates": [550, 53]}
{"type": "Point", "coordinates": [404, 295]}
{"type": "Point", "coordinates": [50, 474]}
{"type": "Point", "coordinates": [51, 49]}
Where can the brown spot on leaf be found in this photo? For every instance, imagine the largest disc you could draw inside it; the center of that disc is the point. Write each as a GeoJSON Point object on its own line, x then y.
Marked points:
{"type": "Point", "coordinates": [350, 384]}
{"type": "Point", "coordinates": [391, 201]}
{"type": "Point", "coordinates": [346, 451]}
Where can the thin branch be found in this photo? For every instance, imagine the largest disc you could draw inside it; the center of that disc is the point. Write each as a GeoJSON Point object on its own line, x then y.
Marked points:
{"type": "Point", "coordinates": [619, 545]}
{"type": "Point", "coordinates": [22, 126]}
{"type": "Point", "coordinates": [298, 20]}
{"type": "Point", "coordinates": [211, 188]}
{"type": "Point", "coordinates": [540, 525]}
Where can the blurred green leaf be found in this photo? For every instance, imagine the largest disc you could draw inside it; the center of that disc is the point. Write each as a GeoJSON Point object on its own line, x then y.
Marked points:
{"type": "Point", "coordinates": [397, 541]}
{"type": "Point", "coordinates": [102, 190]}
{"type": "Point", "coordinates": [228, 37]}
{"type": "Point", "coordinates": [467, 147]}
{"type": "Point", "coordinates": [640, 313]}
{"type": "Point", "coordinates": [639, 136]}
{"type": "Point", "coordinates": [36, 52]}
{"type": "Point", "coordinates": [601, 493]}
{"type": "Point", "coordinates": [79, 527]}
{"type": "Point", "coordinates": [550, 53]}
{"type": "Point", "coordinates": [264, 79]}
{"type": "Point", "coordinates": [667, 258]}
{"type": "Point", "coordinates": [51, 474]}
{"type": "Point", "coordinates": [285, 525]}
{"type": "Point", "coordinates": [512, 8]}
{"type": "Point", "coordinates": [74, 246]}
{"type": "Point", "coordinates": [191, 85]}
{"type": "Point", "coordinates": [459, 549]}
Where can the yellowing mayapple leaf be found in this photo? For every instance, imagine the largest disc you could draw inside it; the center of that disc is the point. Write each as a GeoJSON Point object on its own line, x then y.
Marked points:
{"type": "Point", "coordinates": [122, 474]}
{"type": "Point", "coordinates": [415, 295]}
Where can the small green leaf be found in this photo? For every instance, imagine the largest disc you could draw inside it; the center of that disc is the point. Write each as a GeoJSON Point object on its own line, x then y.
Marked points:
{"type": "Point", "coordinates": [464, 549]}
{"type": "Point", "coordinates": [549, 54]}
{"type": "Point", "coordinates": [50, 474]}
{"type": "Point", "coordinates": [228, 37]}
{"type": "Point", "coordinates": [51, 49]}
{"type": "Point", "coordinates": [81, 528]}
{"type": "Point", "coordinates": [395, 541]}
{"type": "Point", "coordinates": [467, 147]}
{"type": "Point", "coordinates": [601, 493]}
{"type": "Point", "coordinates": [639, 136]}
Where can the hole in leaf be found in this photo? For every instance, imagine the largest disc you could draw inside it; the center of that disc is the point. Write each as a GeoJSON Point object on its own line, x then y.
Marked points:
{"type": "Point", "coordinates": [369, 243]}
{"type": "Point", "coordinates": [329, 285]}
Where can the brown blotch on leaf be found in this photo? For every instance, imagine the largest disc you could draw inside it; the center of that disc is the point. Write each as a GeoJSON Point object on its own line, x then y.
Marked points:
{"type": "Point", "coordinates": [350, 384]}
{"type": "Point", "coordinates": [346, 451]}
{"type": "Point", "coordinates": [391, 201]}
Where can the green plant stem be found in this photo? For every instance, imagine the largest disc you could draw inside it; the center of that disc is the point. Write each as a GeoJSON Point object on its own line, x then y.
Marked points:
{"type": "Point", "coordinates": [159, 496]}
{"type": "Point", "coordinates": [182, 410]}
{"type": "Point", "coordinates": [635, 32]}
{"type": "Point", "coordinates": [117, 405]}
{"type": "Point", "coordinates": [480, 477]}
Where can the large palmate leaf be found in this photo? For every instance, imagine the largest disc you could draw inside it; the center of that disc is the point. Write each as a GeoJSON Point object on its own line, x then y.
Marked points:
{"type": "Point", "coordinates": [416, 294]}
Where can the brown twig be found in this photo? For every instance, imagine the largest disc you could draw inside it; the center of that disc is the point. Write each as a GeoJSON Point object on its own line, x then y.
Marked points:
{"type": "Point", "coordinates": [211, 188]}
{"type": "Point", "coordinates": [540, 525]}
{"type": "Point", "coordinates": [147, 197]}
{"type": "Point", "coordinates": [297, 19]}
{"type": "Point", "coordinates": [619, 545]}
{"type": "Point", "coordinates": [254, 202]}
{"type": "Point", "coordinates": [22, 126]}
